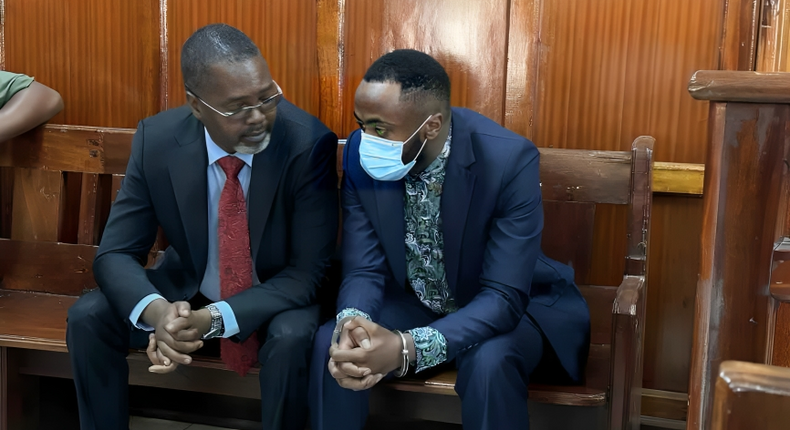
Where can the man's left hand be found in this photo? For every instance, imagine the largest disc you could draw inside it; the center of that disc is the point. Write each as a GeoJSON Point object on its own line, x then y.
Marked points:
{"type": "Point", "coordinates": [383, 355]}
{"type": "Point", "coordinates": [191, 328]}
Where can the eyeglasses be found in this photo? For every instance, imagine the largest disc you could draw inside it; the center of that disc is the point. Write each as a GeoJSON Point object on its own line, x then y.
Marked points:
{"type": "Point", "coordinates": [266, 105]}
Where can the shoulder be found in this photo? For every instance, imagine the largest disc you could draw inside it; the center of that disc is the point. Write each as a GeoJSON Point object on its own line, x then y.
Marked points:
{"type": "Point", "coordinates": [491, 143]}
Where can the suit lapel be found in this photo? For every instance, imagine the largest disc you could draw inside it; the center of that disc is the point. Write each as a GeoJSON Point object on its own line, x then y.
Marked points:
{"type": "Point", "coordinates": [389, 204]}
{"type": "Point", "coordinates": [459, 183]}
{"type": "Point", "coordinates": [267, 169]}
{"type": "Point", "coordinates": [190, 185]}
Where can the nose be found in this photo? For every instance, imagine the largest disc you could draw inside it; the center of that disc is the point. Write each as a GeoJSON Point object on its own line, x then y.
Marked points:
{"type": "Point", "coordinates": [255, 116]}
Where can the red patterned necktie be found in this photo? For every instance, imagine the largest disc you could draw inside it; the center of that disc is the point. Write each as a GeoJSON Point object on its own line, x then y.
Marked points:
{"type": "Point", "coordinates": [235, 261]}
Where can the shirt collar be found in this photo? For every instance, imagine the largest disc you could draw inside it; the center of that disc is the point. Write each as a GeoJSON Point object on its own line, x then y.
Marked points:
{"type": "Point", "coordinates": [215, 152]}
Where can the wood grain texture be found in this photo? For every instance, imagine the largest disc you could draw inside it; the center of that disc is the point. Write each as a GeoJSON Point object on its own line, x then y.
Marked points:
{"type": "Point", "coordinates": [284, 31]}
{"type": "Point", "coordinates": [522, 66]}
{"type": "Point", "coordinates": [34, 321]}
{"type": "Point", "coordinates": [781, 353]}
{"type": "Point", "coordinates": [57, 268]}
{"type": "Point", "coordinates": [568, 234]}
{"type": "Point", "coordinates": [331, 45]}
{"type": "Point", "coordinates": [674, 268]}
{"type": "Point", "coordinates": [773, 37]}
{"type": "Point", "coordinates": [70, 148]}
{"type": "Point", "coordinates": [750, 395]}
{"type": "Point", "coordinates": [611, 71]}
{"type": "Point", "coordinates": [100, 55]}
{"type": "Point", "coordinates": [739, 34]}
{"type": "Point", "coordinates": [469, 38]}
{"type": "Point", "coordinates": [36, 205]}
{"type": "Point", "coordinates": [743, 187]}
{"type": "Point", "coordinates": [735, 86]}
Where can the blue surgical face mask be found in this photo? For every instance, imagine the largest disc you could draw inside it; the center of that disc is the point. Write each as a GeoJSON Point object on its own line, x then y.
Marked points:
{"type": "Point", "coordinates": [382, 159]}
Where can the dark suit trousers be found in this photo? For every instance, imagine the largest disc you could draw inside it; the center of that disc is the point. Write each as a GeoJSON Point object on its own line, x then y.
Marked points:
{"type": "Point", "coordinates": [492, 376]}
{"type": "Point", "coordinates": [99, 341]}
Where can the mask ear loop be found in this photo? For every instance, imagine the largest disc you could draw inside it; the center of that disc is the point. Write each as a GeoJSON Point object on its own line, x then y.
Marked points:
{"type": "Point", "coordinates": [423, 143]}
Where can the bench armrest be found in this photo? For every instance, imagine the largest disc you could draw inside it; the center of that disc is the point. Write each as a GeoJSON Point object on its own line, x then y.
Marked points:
{"type": "Point", "coordinates": [628, 327]}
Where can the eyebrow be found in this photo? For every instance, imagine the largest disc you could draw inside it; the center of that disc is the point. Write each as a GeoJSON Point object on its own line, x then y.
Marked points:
{"type": "Point", "coordinates": [372, 121]}
{"type": "Point", "coordinates": [242, 98]}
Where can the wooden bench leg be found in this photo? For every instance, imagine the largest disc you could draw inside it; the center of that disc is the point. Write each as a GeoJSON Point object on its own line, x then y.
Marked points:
{"type": "Point", "coordinates": [19, 395]}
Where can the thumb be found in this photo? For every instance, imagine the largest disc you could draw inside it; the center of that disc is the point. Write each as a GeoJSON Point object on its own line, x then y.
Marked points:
{"type": "Point", "coordinates": [360, 329]}
{"type": "Point", "coordinates": [184, 309]}
{"type": "Point", "coordinates": [360, 337]}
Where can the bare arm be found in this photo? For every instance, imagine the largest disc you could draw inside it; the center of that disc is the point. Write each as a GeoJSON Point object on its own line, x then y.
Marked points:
{"type": "Point", "coordinates": [27, 109]}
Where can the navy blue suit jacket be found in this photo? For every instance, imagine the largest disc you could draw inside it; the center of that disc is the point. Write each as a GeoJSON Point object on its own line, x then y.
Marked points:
{"type": "Point", "coordinates": [293, 216]}
{"type": "Point", "coordinates": [492, 218]}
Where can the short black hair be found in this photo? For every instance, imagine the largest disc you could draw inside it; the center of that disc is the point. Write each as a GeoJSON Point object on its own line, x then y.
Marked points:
{"type": "Point", "coordinates": [212, 44]}
{"type": "Point", "coordinates": [418, 74]}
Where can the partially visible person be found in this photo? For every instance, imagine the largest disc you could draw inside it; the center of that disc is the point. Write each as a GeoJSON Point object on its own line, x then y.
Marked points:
{"type": "Point", "coordinates": [25, 104]}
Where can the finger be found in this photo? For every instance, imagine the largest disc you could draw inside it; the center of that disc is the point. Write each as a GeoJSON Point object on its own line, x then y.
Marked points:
{"type": "Point", "coordinates": [189, 335]}
{"type": "Point", "coordinates": [173, 354]}
{"type": "Point", "coordinates": [334, 371]}
{"type": "Point", "coordinates": [357, 384]}
{"type": "Point", "coordinates": [352, 369]}
{"type": "Point", "coordinates": [164, 361]}
{"type": "Point", "coordinates": [184, 309]}
{"type": "Point", "coordinates": [177, 325]}
{"type": "Point", "coordinates": [356, 355]}
{"type": "Point", "coordinates": [360, 337]}
{"type": "Point", "coordinates": [163, 369]}
{"type": "Point", "coordinates": [187, 347]}
{"type": "Point", "coordinates": [358, 321]}
{"type": "Point", "coordinates": [151, 350]}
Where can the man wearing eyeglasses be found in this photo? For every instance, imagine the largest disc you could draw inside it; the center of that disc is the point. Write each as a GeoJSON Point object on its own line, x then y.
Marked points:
{"type": "Point", "coordinates": [244, 188]}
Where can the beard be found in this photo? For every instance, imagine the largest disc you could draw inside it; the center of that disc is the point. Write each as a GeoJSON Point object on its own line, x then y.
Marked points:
{"type": "Point", "coordinates": [252, 150]}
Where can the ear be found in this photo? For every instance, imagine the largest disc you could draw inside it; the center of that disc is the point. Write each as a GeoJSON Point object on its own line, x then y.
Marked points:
{"type": "Point", "coordinates": [194, 104]}
{"type": "Point", "coordinates": [434, 126]}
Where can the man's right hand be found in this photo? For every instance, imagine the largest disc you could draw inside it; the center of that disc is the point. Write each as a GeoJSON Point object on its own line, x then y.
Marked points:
{"type": "Point", "coordinates": [158, 314]}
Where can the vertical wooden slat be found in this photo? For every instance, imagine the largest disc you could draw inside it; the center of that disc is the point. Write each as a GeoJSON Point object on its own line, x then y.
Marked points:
{"type": "Point", "coordinates": [68, 222]}
{"type": "Point", "coordinates": [331, 45]}
{"type": "Point", "coordinates": [6, 200]}
{"type": "Point", "coordinates": [36, 205]}
{"type": "Point", "coordinates": [739, 35]}
{"type": "Point", "coordinates": [522, 63]}
{"type": "Point", "coordinates": [86, 234]}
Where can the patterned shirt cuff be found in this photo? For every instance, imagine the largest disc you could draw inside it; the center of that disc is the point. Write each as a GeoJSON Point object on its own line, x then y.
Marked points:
{"type": "Point", "coordinates": [351, 312]}
{"type": "Point", "coordinates": [430, 347]}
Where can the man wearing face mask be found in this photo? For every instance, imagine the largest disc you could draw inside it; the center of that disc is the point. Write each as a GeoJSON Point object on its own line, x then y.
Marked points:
{"type": "Point", "coordinates": [442, 220]}
{"type": "Point", "coordinates": [243, 185]}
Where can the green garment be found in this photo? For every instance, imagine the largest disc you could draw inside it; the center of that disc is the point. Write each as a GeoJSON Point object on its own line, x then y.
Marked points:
{"type": "Point", "coordinates": [10, 84]}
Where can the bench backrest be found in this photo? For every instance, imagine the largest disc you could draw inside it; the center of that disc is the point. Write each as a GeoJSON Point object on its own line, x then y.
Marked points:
{"type": "Point", "coordinates": [751, 396]}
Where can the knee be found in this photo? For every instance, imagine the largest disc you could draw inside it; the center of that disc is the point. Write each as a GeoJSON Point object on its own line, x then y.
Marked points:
{"type": "Point", "coordinates": [293, 340]}
{"type": "Point", "coordinates": [89, 311]}
{"type": "Point", "coordinates": [491, 363]}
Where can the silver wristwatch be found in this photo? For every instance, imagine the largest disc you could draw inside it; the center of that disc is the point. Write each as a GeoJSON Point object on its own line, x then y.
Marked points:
{"type": "Point", "coordinates": [217, 327]}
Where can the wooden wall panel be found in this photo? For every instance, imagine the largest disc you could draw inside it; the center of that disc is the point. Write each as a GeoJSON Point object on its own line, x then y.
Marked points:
{"type": "Point", "coordinates": [469, 39]}
{"type": "Point", "coordinates": [611, 71]}
{"type": "Point", "coordinates": [284, 30]}
{"type": "Point", "coordinates": [672, 281]}
{"type": "Point", "coordinates": [101, 55]}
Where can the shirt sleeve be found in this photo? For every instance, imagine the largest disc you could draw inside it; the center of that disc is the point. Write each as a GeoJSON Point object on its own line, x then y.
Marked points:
{"type": "Point", "coordinates": [430, 347]}
{"type": "Point", "coordinates": [12, 83]}
{"type": "Point", "coordinates": [228, 319]}
{"type": "Point", "coordinates": [351, 312]}
{"type": "Point", "coordinates": [138, 310]}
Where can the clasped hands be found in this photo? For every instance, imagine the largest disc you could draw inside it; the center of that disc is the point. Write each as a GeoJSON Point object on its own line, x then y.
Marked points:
{"type": "Point", "coordinates": [178, 332]}
{"type": "Point", "coordinates": [364, 353]}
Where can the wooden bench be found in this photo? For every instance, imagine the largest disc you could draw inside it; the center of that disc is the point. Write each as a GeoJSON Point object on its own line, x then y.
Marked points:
{"type": "Point", "coordinates": [56, 187]}
{"type": "Point", "coordinates": [751, 396]}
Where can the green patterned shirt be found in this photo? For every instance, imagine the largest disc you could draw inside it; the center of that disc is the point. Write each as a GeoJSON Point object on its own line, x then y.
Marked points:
{"type": "Point", "coordinates": [425, 269]}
